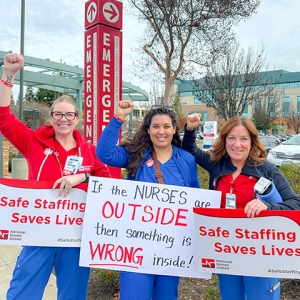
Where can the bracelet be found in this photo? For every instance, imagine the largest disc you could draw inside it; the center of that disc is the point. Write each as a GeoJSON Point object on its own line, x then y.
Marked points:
{"type": "Point", "coordinates": [6, 83]}
{"type": "Point", "coordinates": [118, 118]}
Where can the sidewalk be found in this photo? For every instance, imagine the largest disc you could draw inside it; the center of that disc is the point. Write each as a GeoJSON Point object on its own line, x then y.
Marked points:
{"type": "Point", "coordinates": [8, 257]}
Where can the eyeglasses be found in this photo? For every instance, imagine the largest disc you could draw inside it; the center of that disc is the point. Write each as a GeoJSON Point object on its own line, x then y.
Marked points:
{"type": "Point", "coordinates": [70, 116]}
{"type": "Point", "coordinates": [161, 106]}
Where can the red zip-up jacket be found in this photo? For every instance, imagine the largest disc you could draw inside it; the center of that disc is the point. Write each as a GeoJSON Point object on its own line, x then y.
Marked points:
{"type": "Point", "coordinates": [38, 147]}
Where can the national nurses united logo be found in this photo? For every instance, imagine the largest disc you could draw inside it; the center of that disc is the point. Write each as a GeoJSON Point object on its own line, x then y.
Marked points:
{"type": "Point", "coordinates": [4, 234]}
{"type": "Point", "coordinates": [208, 263]}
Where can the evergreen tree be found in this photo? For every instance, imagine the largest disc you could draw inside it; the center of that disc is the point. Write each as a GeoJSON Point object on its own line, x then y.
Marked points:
{"type": "Point", "coordinates": [29, 95]}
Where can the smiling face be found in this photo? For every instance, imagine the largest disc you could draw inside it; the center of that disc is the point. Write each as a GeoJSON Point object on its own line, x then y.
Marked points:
{"type": "Point", "coordinates": [161, 131]}
{"type": "Point", "coordinates": [238, 144]}
{"type": "Point", "coordinates": [64, 127]}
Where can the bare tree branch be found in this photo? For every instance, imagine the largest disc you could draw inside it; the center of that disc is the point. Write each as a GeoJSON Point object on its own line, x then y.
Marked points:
{"type": "Point", "coordinates": [267, 110]}
{"type": "Point", "coordinates": [235, 80]}
{"type": "Point", "coordinates": [182, 34]}
{"type": "Point", "coordinates": [294, 117]}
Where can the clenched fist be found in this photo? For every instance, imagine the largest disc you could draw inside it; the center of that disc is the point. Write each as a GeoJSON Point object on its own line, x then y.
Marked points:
{"type": "Point", "coordinates": [193, 121]}
{"type": "Point", "coordinates": [13, 62]}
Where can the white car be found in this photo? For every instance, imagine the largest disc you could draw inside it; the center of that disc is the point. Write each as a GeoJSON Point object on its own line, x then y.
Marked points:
{"type": "Point", "coordinates": [287, 152]}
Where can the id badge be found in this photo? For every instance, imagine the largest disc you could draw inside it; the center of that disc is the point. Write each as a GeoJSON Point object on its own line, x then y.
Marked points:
{"type": "Point", "coordinates": [230, 200]}
{"type": "Point", "coordinates": [73, 163]}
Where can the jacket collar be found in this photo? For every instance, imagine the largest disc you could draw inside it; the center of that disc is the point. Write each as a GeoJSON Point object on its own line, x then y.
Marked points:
{"type": "Point", "coordinates": [45, 134]}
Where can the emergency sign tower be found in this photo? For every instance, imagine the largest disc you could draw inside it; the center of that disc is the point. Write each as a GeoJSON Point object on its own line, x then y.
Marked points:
{"type": "Point", "coordinates": [102, 66]}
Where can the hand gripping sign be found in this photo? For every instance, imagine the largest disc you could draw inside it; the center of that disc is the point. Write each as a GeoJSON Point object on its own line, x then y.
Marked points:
{"type": "Point", "coordinates": [32, 214]}
{"type": "Point", "coordinates": [142, 227]}
{"type": "Point", "coordinates": [265, 246]}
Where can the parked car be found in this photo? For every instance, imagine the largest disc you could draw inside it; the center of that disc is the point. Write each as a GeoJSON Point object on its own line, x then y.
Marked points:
{"type": "Point", "coordinates": [287, 152]}
{"type": "Point", "coordinates": [288, 136]}
{"type": "Point", "coordinates": [269, 142]}
{"type": "Point", "coordinates": [280, 137]}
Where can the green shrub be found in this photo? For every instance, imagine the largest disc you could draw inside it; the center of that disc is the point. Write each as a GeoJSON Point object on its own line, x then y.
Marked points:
{"type": "Point", "coordinates": [292, 173]}
{"type": "Point", "coordinates": [108, 278]}
{"type": "Point", "coordinates": [212, 292]}
{"type": "Point", "coordinates": [203, 176]}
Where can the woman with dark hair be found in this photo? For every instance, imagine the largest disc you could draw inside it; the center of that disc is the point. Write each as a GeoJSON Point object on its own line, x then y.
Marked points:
{"type": "Point", "coordinates": [156, 139]}
{"type": "Point", "coordinates": [49, 151]}
{"type": "Point", "coordinates": [237, 162]}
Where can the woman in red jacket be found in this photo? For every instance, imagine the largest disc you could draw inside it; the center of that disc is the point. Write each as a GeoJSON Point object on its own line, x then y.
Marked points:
{"type": "Point", "coordinates": [58, 153]}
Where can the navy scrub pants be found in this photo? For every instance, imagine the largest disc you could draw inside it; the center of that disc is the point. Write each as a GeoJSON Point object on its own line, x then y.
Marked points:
{"type": "Point", "coordinates": [34, 266]}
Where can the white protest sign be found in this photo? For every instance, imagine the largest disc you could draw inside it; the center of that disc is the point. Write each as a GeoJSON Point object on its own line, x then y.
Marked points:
{"type": "Point", "coordinates": [32, 214]}
{"type": "Point", "coordinates": [142, 227]}
{"type": "Point", "coordinates": [209, 133]}
{"type": "Point", "coordinates": [265, 246]}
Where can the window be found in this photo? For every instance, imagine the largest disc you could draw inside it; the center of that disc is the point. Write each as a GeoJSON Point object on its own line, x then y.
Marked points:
{"type": "Point", "coordinates": [285, 107]}
{"type": "Point", "coordinates": [271, 107]}
{"type": "Point", "coordinates": [136, 113]}
{"type": "Point", "coordinates": [245, 111]}
{"type": "Point", "coordinates": [204, 94]}
{"type": "Point", "coordinates": [298, 105]}
{"type": "Point", "coordinates": [257, 103]}
{"type": "Point", "coordinates": [197, 101]}
{"type": "Point", "coordinates": [185, 94]}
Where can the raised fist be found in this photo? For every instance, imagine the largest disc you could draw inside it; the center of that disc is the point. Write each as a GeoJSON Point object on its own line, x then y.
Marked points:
{"type": "Point", "coordinates": [193, 121]}
{"type": "Point", "coordinates": [13, 62]}
{"type": "Point", "coordinates": [124, 108]}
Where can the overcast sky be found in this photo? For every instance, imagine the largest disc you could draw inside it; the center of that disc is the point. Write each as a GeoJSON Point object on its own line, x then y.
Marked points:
{"type": "Point", "coordinates": [55, 30]}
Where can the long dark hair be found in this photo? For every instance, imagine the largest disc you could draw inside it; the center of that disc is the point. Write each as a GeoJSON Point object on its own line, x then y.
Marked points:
{"type": "Point", "coordinates": [141, 142]}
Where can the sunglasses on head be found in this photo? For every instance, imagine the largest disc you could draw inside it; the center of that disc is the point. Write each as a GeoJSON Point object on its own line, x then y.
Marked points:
{"type": "Point", "coordinates": [162, 106]}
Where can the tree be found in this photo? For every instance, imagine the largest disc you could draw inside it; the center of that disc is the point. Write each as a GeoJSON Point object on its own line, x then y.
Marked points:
{"type": "Point", "coordinates": [177, 107]}
{"type": "Point", "coordinates": [181, 34]}
{"type": "Point", "coordinates": [29, 95]}
{"type": "Point", "coordinates": [236, 80]}
{"type": "Point", "coordinates": [38, 113]}
{"type": "Point", "coordinates": [266, 111]}
{"type": "Point", "coordinates": [156, 93]}
{"type": "Point", "coordinates": [294, 117]}
{"type": "Point", "coordinates": [46, 96]}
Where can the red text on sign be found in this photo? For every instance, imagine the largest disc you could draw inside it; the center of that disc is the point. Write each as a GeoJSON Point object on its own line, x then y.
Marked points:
{"type": "Point", "coordinates": [67, 220]}
{"type": "Point", "coordinates": [4, 201]}
{"type": "Point", "coordinates": [146, 214]}
{"type": "Point", "coordinates": [234, 249]}
{"type": "Point", "coordinates": [116, 253]}
{"type": "Point", "coordinates": [17, 218]}
{"type": "Point", "coordinates": [218, 232]}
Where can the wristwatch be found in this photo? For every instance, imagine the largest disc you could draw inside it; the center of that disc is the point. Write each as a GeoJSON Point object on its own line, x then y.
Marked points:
{"type": "Point", "coordinates": [87, 177]}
